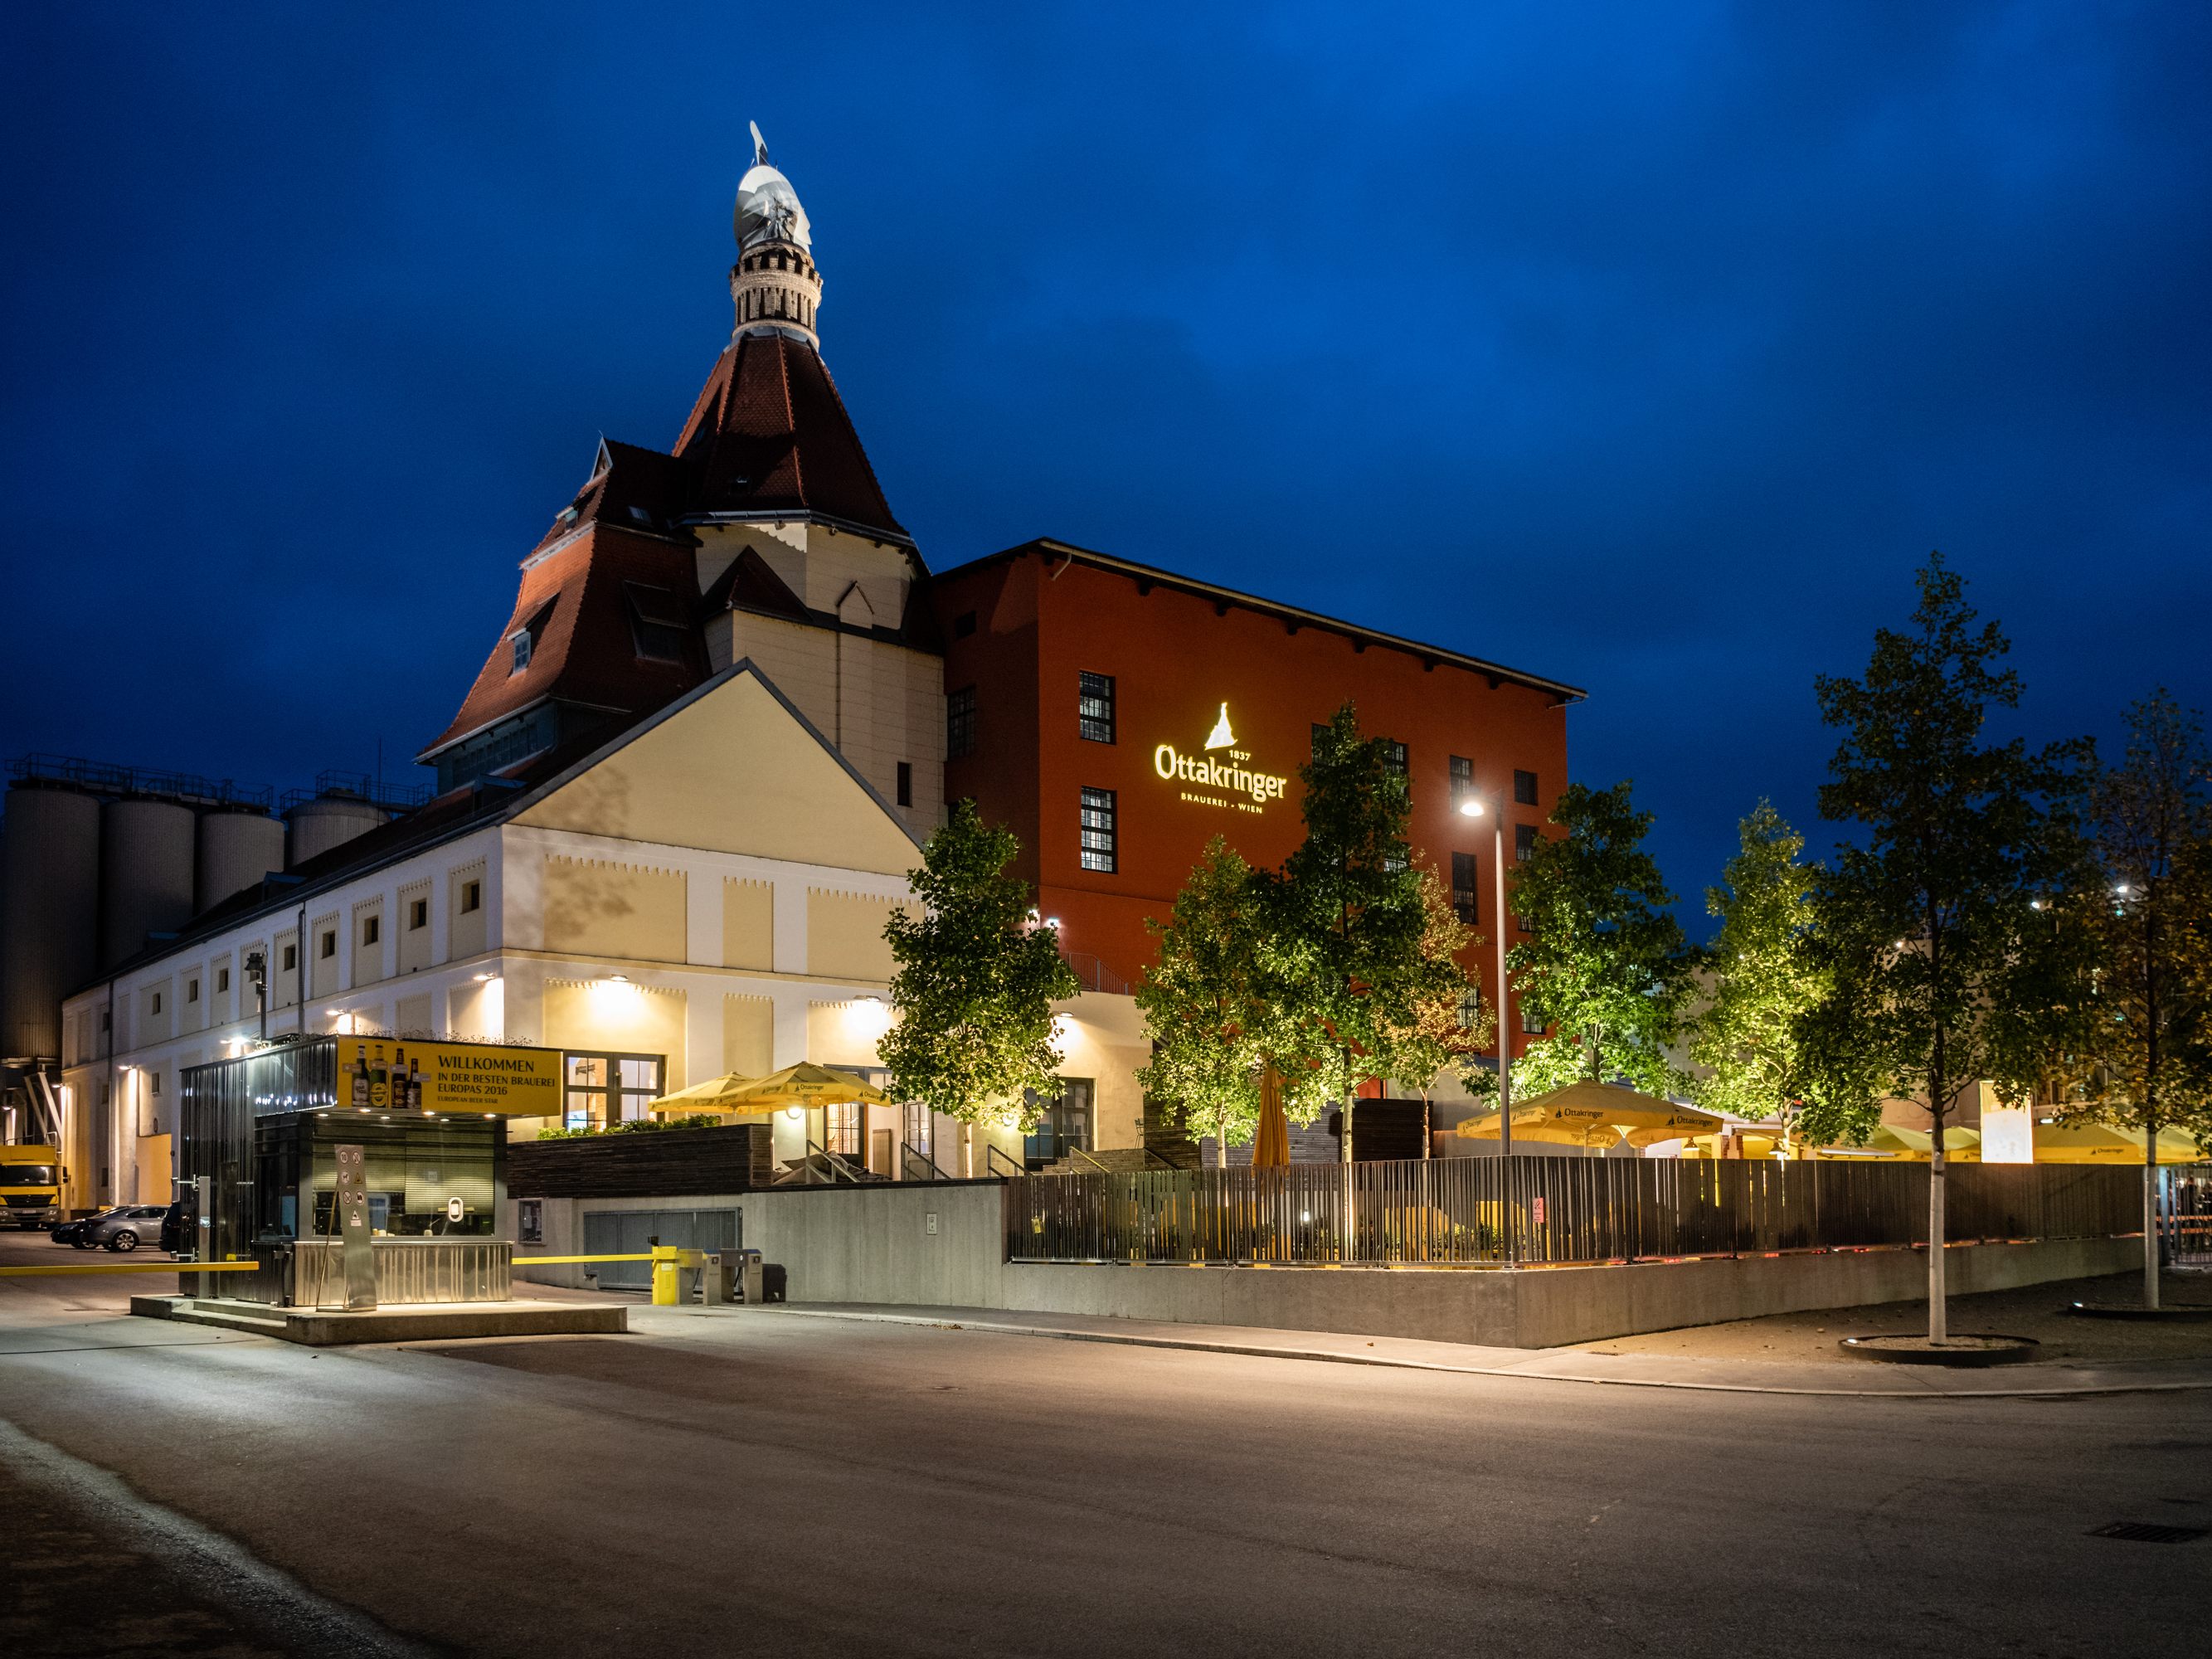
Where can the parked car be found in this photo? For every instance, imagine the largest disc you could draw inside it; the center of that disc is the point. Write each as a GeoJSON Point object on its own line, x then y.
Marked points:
{"type": "Point", "coordinates": [72, 1232]}
{"type": "Point", "coordinates": [125, 1229]}
{"type": "Point", "coordinates": [174, 1229]}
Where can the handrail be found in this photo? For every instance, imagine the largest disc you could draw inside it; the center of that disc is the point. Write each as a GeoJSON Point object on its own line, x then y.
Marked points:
{"type": "Point", "coordinates": [838, 1166]}
{"type": "Point", "coordinates": [1092, 1161]}
{"type": "Point", "coordinates": [909, 1157]}
{"type": "Point", "coordinates": [993, 1158]}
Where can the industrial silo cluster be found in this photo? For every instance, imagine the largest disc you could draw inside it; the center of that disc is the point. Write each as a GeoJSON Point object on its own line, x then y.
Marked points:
{"type": "Point", "coordinates": [95, 859]}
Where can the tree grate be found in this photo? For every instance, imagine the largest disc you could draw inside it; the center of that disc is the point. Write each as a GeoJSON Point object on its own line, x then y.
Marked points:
{"type": "Point", "coordinates": [2146, 1532]}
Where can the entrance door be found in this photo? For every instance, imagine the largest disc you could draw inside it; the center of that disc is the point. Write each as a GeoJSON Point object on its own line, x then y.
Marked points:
{"type": "Point", "coordinates": [625, 1232]}
{"type": "Point", "coordinates": [1062, 1128]}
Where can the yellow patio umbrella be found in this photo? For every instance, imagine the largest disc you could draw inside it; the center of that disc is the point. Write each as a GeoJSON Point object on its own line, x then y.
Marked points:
{"type": "Point", "coordinates": [1590, 1113]}
{"type": "Point", "coordinates": [803, 1084]}
{"type": "Point", "coordinates": [1271, 1143]}
{"type": "Point", "coordinates": [2101, 1143]}
{"type": "Point", "coordinates": [1959, 1145]}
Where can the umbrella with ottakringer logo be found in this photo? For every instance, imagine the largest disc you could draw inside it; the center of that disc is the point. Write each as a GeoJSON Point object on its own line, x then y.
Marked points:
{"type": "Point", "coordinates": [803, 1084]}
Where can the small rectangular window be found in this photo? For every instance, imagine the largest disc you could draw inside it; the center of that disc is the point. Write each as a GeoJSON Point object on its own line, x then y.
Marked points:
{"type": "Point", "coordinates": [1464, 888]}
{"type": "Point", "coordinates": [471, 897]}
{"type": "Point", "coordinates": [1094, 704]}
{"type": "Point", "coordinates": [291, 958]}
{"type": "Point", "coordinates": [1524, 842]}
{"type": "Point", "coordinates": [522, 648]}
{"type": "Point", "coordinates": [1470, 1009]}
{"type": "Point", "coordinates": [155, 1078]}
{"type": "Point", "coordinates": [1532, 1023]}
{"type": "Point", "coordinates": [906, 783]}
{"type": "Point", "coordinates": [221, 981]}
{"type": "Point", "coordinates": [157, 1002]}
{"type": "Point", "coordinates": [1100, 850]}
{"type": "Point", "coordinates": [192, 990]}
{"type": "Point", "coordinates": [657, 623]}
{"type": "Point", "coordinates": [1462, 778]}
{"type": "Point", "coordinates": [418, 914]}
{"type": "Point", "coordinates": [1394, 755]}
{"type": "Point", "coordinates": [960, 723]}
{"type": "Point", "coordinates": [330, 942]}
{"type": "Point", "coordinates": [1524, 787]}
{"type": "Point", "coordinates": [372, 929]}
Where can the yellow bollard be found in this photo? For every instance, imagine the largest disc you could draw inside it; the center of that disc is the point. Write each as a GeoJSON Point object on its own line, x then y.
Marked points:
{"type": "Point", "coordinates": [667, 1275]}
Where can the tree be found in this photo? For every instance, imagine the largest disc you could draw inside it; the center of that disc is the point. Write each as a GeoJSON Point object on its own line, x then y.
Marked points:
{"type": "Point", "coordinates": [2142, 1059]}
{"type": "Point", "coordinates": [1347, 920]}
{"type": "Point", "coordinates": [1208, 1000]}
{"type": "Point", "coordinates": [1606, 964]}
{"type": "Point", "coordinates": [1763, 978]}
{"type": "Point", "coordinates": [1925, 925]}
{"type": "Point", "coordinates": [1450, 1022]}
{"type": "Point", "coordinates": [976, 980]}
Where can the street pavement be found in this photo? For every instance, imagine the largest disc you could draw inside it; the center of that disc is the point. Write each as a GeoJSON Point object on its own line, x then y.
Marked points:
{"type": "Point", "coordinates": [748, 1482]}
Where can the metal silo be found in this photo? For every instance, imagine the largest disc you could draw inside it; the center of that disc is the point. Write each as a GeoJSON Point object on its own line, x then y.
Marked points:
{"type": "Point", "coordinates": [325, 822]}
{"type": "Point", "coordinates": [236, 849]}
{"type": "Point", "coordinates": [145, 874]}
{"type": "Point", "coordinates": [49, 913]}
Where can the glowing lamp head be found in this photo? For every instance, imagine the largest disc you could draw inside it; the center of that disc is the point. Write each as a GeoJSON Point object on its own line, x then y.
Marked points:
{"type": "Point", "coordinates": [1470, 809]}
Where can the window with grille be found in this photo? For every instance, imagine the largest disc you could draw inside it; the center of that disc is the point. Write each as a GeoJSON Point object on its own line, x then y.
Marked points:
{"type": "Point", "coordinates": [1532, 1023]}
{"type": "Point", "coordinates": [960, 723]}
{"type": "Point", "coordinates": [1462, 778]}
{"type": "Point", "coordinates": [609, 1088]}
{"type": "Point", "coordinates": [1094, 705]}
{"type": "Point", "coordinates": [1524, 787]}
{"type": "Point", "coordinates": [1063, 1124]}
{"type": "Point", "coordinates": [1524, 842]}
{"type": "Point", "coordinates": [1394, 754]}
{"type": "Point", "coordinates": [1099, 835]}
{"type": "Point", "coordinates": [917, 1127]}
{"type": "Point", "coordinates": [1470, 1009]}
{"type": "Point", "coordinates": [658, 621]}
{"type": "Point", "coordinates": [1464, 888]}
{"type": "Point", "coordinates": [841, 1127]}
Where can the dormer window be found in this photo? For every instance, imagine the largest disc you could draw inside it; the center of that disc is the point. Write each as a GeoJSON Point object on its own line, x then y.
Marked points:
{"type": "Point", "coordinates": [524, 640]}
{"type": "Point", "coordinates": [658, 621]}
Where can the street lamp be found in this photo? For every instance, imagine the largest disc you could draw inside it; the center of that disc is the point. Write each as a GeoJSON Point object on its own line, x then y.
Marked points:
{"type": "Point", "coordinates": [1472, 807]}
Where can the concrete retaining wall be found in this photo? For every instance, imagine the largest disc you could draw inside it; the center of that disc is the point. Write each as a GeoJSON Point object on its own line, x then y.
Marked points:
{"type": "Point", "coordinates": [939, 1245]}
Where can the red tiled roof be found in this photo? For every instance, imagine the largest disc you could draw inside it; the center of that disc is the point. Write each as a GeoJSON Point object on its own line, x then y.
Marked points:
{"type": "Point", "coordinates": [769, 433]}
{"type": "Point", "coordinates": [585, 651]}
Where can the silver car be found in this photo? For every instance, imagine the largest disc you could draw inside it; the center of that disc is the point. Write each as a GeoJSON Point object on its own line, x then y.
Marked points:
{"type": "Point", "coordinates": [125, 1229]}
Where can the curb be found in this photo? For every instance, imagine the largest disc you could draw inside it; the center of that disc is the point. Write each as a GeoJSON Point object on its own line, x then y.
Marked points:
{"type": "Point", "coordinates": [998, 1327]}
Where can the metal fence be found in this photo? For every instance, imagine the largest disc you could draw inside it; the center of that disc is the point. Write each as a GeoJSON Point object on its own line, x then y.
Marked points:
{"type": "Point", "coordinates": [1475, 1212]}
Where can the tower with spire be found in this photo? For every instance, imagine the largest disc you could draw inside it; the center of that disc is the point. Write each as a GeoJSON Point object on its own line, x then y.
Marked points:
{"type": "Point", "coordinates": [762, 534]}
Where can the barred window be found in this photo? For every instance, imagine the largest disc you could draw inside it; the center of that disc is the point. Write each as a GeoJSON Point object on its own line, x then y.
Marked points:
{"type": "Point", "coordinates": [1094, 707]}
{"type": "Point", "coordinates": [960, 723]}
{"type": "Point", "coordinates": [1532, 1023]}
{"type": "Point", "coordinates": [1464, 888]}
{"type": "Point", "coordinates": [1470, 1009]}
{"type": "Point", "coordinates": [1524, 842]}
{"type": "Point", "coordinates": [1524, 787]}
{"type": "Point", "coordinates": [1099, 837]}
{"type": "Point", "coordinates": [1462, 778]}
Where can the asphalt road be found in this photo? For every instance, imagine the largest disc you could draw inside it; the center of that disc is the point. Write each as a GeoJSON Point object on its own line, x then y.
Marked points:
{"type": "Point", "coordinates": [733, 1482]}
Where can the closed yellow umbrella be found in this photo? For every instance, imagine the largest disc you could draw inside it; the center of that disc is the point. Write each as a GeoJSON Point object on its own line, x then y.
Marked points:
{"type": "Point", "coordinates": [1271, 1142]}
{"type": "Point", "coordinates": [803, 1084]}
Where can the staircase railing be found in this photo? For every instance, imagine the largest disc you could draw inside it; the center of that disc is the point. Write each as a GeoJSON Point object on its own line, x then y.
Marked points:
{"type": "Point", "coordinates": [838, 1167]}
{"type": "Point", "coordinates": [993, 1158]}
{"type": "Point", "coordinates": [910, 1161]}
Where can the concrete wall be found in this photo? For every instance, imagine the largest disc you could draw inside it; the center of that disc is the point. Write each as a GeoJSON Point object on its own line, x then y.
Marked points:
{"type": "Point", "coordinates": [875, 1245]}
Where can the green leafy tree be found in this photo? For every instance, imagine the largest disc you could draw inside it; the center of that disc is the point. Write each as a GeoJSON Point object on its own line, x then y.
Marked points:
{"type": "Point", "coordinates": [976, 980]}
{"type": "Point", "coordinates": [1762, 975]}
{"type": "Point", "coordinates": [2144, 1059]}
{"type": "Point", "coordinates": [1607, 966]}
{"type": "Point", "coordinates": [1209, 1001]}
{"type": "Point", "coordinates": [1925, 925]}
{"type": "Point", "coordinates": [1346, 921]}
{"type": "Point", "coordinates": [1450, 1024]}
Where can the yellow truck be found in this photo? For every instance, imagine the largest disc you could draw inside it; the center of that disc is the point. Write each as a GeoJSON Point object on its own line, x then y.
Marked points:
{"type": "Point", "coordinates": [30, 1186]}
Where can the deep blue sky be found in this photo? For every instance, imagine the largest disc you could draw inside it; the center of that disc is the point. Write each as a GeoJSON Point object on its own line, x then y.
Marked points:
{"type": "Point", "coordinates": [1648, 347]}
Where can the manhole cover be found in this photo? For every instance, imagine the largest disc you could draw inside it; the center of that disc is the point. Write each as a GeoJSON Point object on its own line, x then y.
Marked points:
{"type": "Point", "coordinates": [2146, 1532]}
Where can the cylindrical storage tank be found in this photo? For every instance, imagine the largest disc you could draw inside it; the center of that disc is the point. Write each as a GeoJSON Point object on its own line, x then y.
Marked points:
{"type": "Point", "coordinates": [236, 849]}
{"type": "Point", "coordinates": [145, 874]}
{"type": "Point", "coordinates": [326, 822]}
{"type": "Point", "coordinates": [49, 913]}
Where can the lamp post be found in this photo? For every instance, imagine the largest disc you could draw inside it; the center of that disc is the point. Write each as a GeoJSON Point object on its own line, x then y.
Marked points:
{"type": "Point", "coordinates": [1474, 807]}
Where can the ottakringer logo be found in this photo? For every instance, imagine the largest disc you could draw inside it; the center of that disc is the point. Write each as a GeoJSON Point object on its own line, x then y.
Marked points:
{"type": "Point", "coordinates": [1211, 782]}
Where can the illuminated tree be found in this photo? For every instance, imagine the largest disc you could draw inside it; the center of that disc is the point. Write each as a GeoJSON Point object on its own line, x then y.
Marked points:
{"type": "Point", "coordinates": [976, 980]}
{"type": "Point", "coordinates": [1208, 1000]}
{"type": "Point", "coordinates": [1606, 966]}
{"type": "Point", "coordinates": [1926, 927]}
{"type": "Point", "coordinates": [1762, 977]}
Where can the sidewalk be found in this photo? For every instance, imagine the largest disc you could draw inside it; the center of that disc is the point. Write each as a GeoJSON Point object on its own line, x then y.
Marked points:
{"type": "Point", "coordinates": [1598, 1362]}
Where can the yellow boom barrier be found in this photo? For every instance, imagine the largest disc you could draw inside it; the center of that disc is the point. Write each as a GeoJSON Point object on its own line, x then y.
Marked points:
{"type": "Point", "coordinates": [133, 1268]}
{"type": "Point", "coordinates": [568, 1260]}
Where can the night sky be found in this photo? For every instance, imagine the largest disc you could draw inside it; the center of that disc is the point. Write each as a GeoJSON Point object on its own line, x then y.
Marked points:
{"type": "Point", "coordinates": [1650, 348]}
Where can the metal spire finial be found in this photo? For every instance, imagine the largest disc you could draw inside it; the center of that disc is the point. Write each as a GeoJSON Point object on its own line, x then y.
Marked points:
{"type": "Point", "coordinates": [760, 145]}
